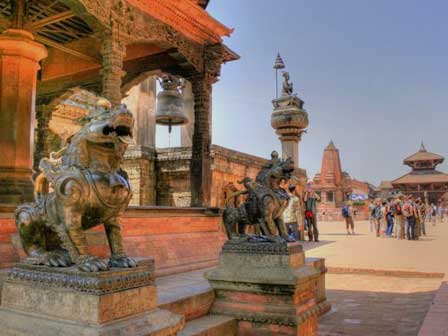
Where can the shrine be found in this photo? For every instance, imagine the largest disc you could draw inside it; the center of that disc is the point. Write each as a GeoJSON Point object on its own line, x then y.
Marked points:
{"type": "Point", "coordinates": [424, 179]}
{"type": "Point", "coordinates": [336, 187]}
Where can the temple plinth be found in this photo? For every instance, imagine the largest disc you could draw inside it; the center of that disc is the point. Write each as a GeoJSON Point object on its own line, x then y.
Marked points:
{"type": "Point", "coordinates": [19, 63]}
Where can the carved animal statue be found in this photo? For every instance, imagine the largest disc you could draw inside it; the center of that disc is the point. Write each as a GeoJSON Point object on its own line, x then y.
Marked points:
{"type": "Point", "coordinates": [265, 203]}
{"type": "Point", "coordinates": [88, 189]}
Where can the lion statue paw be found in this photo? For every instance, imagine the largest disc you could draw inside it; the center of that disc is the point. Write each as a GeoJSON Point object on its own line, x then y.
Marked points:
{"type": "Point", "coordinates": [122, 261]}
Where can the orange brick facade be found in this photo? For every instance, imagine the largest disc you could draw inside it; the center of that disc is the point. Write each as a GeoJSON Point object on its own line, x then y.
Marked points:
{"type": "Point", "coordinates": [180, 240]}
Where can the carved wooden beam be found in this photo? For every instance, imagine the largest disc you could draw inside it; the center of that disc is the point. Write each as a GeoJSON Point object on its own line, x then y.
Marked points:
{"type": "Point", "coordinates": [63, 48]}
{"type": "Point", "coordinates": [49, 20]}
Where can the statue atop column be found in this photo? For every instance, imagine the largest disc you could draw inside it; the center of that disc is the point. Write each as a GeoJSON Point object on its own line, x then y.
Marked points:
{"type": "Point", "coordinates": [287, 87]}
{"type": "Point", "coordinates": [289, 119]}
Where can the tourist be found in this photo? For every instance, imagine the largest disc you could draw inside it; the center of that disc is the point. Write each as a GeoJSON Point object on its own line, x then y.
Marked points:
{"type": "Point", "coordinates": [383, 216]}
{"type": "Point", "coordinates": [418, 222]}
{"type": "Point", "coordinates": [421, 211]}
{"type": "Point", "coordinates": [293, 213]}
{"type": "Point", "coordinates": [433, 213]}
{"type": "Point", "coordinates": [347, 213]}
{"type": "Point", "coordinates": [440, 212]}
{"type": "Point", "coordinates": [410, 215]}
{"type": "Point", "coordinates": [377, 215]}
{"type": "Point", "coordinates": [310, 198]}
{"type": "Point", "coordinates": [389, 210]}
{"type": "Point", "coordinates": [372, 207]}
{"type": "Point", "coordinates": [399, 218]}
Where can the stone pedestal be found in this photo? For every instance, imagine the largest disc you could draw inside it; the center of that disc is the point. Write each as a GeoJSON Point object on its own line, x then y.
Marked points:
{"type": "Point", "coordinates": [43, 301]}
{"type": "Point", "coordinates": [19, 63]}
{"type": "Point", "coordinates": [267, 287]}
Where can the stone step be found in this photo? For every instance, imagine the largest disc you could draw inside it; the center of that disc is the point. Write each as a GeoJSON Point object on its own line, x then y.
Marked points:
{"type": "Point", "coordinates": [188, 294]}
{"type": "Point", "coordinates": [211, 325]}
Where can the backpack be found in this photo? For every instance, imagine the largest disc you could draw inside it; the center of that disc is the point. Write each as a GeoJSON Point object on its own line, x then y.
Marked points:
{"type": "Point", "coordinates": [398, 210]}
{"type": "Point", "coordinates": [345, 211]}
{"type": "Point", "coordinates": [407, 210]}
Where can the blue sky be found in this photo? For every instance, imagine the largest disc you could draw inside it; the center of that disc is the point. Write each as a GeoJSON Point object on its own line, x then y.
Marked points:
{"type": "Point", "coordinates": [373, 75]}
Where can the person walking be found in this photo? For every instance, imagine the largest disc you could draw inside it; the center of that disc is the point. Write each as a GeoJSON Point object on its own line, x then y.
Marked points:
{"type": "Point", "coordinates": [433, 212]}
{"type": "Point", "coordinates": [410, 215]}
{"type": "Point", "coordinates": [292, 216]}
{"type": "Point", "coordinates": [310, 199]}
{"type": "Point", "coordinates": [377, 215]}
{"type": "Point", "coordinates": [389, 218]}
{"type": "Point", "coordinates": [421, 211]}
{"type": "Point", "coordinates": [372, 207]}
{"type": "Point", "coordinates": [347, 213]}
{"type": "Point", "coordinates": [399, 218]}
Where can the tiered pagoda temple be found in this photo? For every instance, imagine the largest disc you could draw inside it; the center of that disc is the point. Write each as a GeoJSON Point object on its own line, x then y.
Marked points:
{"type": "Point", "coordinates": [424, 178]}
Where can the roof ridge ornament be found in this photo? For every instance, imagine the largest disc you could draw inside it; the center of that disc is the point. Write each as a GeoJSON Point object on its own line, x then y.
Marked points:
{"type": "Point", "coordinates": [422, 147]}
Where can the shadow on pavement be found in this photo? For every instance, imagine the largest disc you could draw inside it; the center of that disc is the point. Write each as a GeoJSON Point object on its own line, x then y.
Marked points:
{"type": "Point", "coordinates": [360, 313]}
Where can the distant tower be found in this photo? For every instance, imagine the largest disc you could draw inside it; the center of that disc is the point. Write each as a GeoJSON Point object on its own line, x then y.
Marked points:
{"type": "Point", "coordinates": [289, 119]}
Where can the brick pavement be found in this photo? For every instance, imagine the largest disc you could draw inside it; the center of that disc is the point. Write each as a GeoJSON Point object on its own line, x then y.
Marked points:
{"type": "Point", "coordinates": [369, 305]}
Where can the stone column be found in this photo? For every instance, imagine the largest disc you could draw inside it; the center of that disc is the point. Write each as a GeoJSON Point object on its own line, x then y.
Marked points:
{"type": "Point", "coordinates": [113, 51]}
{"type": "Point", "coordinates": [290, 144]}
{"type": "Point", "coordinates": [43, 116]}
{"type": "Point", "coordinates": [19, 63]}
{"type": "Point", "coordinates": [200, 153]}
{"type": "Point", "coordinates": [187, 130]}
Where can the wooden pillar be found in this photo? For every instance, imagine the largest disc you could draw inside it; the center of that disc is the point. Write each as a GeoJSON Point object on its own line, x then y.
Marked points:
{"type": "Point", "coordinates": [186, 133]}
{"type": "Point", "coordinates": [113, 51]}
{"type": "Point", "coordinates": [200, 156]}
{"type": "Point", "coordinates": [43, 117]}
{"type": "Point", "coordinates": [19, 63]}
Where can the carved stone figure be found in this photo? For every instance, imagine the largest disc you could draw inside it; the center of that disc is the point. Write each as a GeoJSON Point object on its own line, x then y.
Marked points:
{"type": "Point", "coordinates": [287, 87]}
{"type": "Point", "coordinates": [266, 201]}
{"type": "Point", "coordinates": [88, 188]}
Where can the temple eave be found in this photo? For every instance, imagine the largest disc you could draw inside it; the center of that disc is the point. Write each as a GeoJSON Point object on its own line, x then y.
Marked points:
{"type": "Point", "coordinates": [189, 18]}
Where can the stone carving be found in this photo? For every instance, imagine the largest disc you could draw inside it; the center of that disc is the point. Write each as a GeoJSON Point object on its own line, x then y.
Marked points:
{"type": "Point", "coordinates": [287, 87]}
{"type": "Point", "coordinates": [264, 206]}
{"type": "Point", "coordinates": [70, 278]}
{"type": "Point", "coordinates": [88, 188]}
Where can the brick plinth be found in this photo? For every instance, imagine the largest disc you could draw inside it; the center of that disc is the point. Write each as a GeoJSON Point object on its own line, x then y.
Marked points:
{"type": "Point", "coordinates": [268, 288]}
{"type": "Point", "coordinates": [170, 235]}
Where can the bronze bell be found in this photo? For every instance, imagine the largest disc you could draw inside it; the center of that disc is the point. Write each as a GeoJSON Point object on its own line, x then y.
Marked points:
{"type": "Point", "coordinates": [170, 104]}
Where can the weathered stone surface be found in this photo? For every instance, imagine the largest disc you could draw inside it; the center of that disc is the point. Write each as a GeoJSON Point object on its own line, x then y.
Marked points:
{"type": "Point", "coordinates": [39, 300]}
{"type": "Point", "coordinates": [268, 289]}
{"type": "Point", "coordinates": [157, 323]}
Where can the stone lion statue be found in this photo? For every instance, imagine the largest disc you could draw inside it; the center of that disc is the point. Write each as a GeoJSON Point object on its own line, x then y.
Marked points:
{"type": "Point", "coordinates": [265, 203]}
{"type": "Point", "coordinates": [78, 188]}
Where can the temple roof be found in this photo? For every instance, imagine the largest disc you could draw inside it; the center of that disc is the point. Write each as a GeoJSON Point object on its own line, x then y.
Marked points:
{"type": "Point", "coordinates": [410, 178]}
{"type": "Point", "coordinates": [188, 17]}
{"type": "Point", "coordinates": [386, 185]}
{"type": "Point", "coordinates": [423, 155]}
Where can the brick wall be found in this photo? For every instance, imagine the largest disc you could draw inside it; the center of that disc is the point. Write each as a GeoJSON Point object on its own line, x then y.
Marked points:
{"type": "Point", "coordinates": [179, 239]}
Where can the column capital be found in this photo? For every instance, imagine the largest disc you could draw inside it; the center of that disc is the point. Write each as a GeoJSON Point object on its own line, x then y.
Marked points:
{"type": "Point", "coordinates": [18, 42]}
